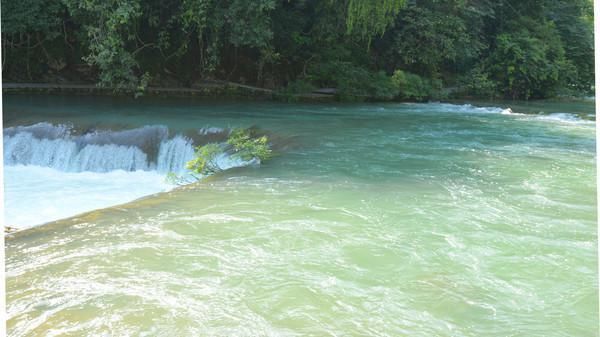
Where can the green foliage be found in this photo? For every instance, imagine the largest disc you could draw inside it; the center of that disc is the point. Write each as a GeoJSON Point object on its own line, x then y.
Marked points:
{"type": "Point", "coordinates": [368, 18]}
{"type": "Point", "coordinates": [216, 24]}
{"type": "Point", "coordinates": [574, 23]}
{"type": "Point", "coordinates": [382, 86]}
{"type": "Point", "coordinates": [31, 32]}
{"type": "Point", "coordinates": [414, 87]}
{"type": "Point", "coordinates": [426, 40]}
{"type": "Point", "coordinates": [354, 82]}
{"type": "Point", "coordinates": [510, 48]}
{"type": "Point", "coordinates": [109, 26]}
{"type": "Point", "coordinates": [529, 63]}
{"type": "Point", "coordinates": [205, 162]}
{"type": "Point", "coordinates": [289, 92]}
{"type": "Point", "coordinates": [142, 85]}
{"type": "Point", "coordinates": [248, 146]}
{"type": "Point", "coordinates": [250, 22]}
{"type": "Point", "coordinates": [31, 16]}
{"type": "Point", "coordinates": [242, 143]}
{"type": "Point", "coordinates": [299, 86]}
{"type": "Point", "coordinates": [478, 83]}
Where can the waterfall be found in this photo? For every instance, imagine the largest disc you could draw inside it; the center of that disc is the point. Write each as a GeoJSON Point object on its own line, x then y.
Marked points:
{"type": "Point", "coordinates": [104, 158]}
{"type": "Point", "coordinates": [59, 147]}
{"type": "Point", "coordinates": [24, 148]}
{"type": "Point", "coordinates": [57, 171]}
{"type": "Point", "coordinates": [173, 154]}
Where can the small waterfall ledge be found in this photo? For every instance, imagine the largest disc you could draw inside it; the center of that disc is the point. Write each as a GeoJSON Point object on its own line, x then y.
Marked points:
{"type": "Point", "coordinates": [148, 148]}
{"type": "Point", "coordinates": [55, 171]}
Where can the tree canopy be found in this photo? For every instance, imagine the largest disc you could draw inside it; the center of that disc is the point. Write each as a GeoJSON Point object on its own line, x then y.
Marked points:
{"type": "Point", "coordinates": [384, 49]}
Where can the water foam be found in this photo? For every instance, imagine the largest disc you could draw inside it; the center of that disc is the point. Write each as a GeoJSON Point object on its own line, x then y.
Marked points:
{"type": "Point", "coordinates": [560, 117]}
{"type": "Point", "coordinates": [52, 171]}
{"type": "Point", "coordinates": [173, 154]}
{"type": "Point", "coordinates": [564, 117]}
{"type": "Point", "coordinates": [461, 108]}
{"type": "Point", "coordinates": [35, 195]}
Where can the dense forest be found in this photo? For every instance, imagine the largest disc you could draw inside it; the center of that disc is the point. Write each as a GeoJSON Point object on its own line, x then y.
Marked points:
{"type": "Point", "coordinates": [372, 49]}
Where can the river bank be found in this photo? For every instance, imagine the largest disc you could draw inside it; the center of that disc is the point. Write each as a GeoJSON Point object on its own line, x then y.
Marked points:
{"type": "Point", "coordinates": [214, 89]}
{"type": "Point", "coordinates": [237, 91]}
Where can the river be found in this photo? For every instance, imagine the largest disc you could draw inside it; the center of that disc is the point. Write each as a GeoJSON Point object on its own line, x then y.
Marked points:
{"type": "Point", "coordinates": [395, 219]}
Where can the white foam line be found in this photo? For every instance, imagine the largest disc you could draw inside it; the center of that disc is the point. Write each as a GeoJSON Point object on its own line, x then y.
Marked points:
{"type": "Point", "coordinates": [36, 195]}
{"type": "Point", "coordinates": [561, 117]}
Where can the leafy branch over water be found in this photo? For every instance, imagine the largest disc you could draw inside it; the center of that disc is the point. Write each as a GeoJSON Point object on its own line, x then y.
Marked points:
{"type": "Point", "coordinates": [247, 145]}
{"type": "Point", "coordinates": [242, 144]}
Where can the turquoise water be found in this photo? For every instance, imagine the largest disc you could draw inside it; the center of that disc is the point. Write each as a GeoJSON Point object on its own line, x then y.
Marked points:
{"type": "Point", "coordinates": [373, 220]}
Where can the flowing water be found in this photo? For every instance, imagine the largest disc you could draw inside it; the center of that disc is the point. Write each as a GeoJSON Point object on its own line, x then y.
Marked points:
{"type": "Point", "coordinates": [373, 220]}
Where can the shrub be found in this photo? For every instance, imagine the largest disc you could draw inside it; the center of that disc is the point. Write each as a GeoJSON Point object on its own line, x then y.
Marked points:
{"type": "Point", "coordinates": [478, 83]}
{"type": "Point", "coordinates": [530, 61]}
{"type": "Point", "coordinates": [242, 143]}
{"type": "Point", "coordinates": [383, 86]}
{"type": "Point", "coordinates": [248, 146]}
{"type": "Point", "coordinates": [205, 162]}
{"type": "Point", "coordinates": [354, 82]}
{"type": "Point", "coordinates": [300, 86]}
{"type": "Point", "coordinates": [414, 87]}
